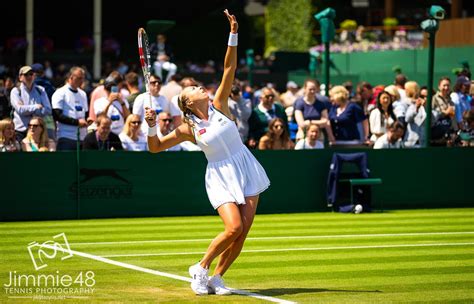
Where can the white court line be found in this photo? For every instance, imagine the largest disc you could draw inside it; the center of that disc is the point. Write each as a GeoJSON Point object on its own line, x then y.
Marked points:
{"type": "Point", "coordinates": [163, 274]}
{"type": "Point", "coordinates": [284, 237]}
{"type": "Point", "coordinates": [295, 249]}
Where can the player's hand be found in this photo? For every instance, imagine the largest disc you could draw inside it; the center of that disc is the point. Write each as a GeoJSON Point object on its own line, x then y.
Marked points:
{"type": "Point", "coordinates": [150, 117]}
{"type": "Point", "coordinates": [234, 26]}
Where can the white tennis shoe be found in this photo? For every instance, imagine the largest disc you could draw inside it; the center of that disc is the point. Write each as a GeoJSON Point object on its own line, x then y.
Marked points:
{"type": "Point", "coordinates": [216, 285]}
{"type": "Point", "coordinates": [199, 279]}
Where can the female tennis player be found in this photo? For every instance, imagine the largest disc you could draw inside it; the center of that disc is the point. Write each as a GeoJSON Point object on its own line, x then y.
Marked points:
{"type": "Point", "coordinates": [234, 178]}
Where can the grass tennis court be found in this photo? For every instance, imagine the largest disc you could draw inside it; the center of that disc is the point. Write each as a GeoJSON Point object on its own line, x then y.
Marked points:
{"type": "Point", "coordinates": [416, 256]}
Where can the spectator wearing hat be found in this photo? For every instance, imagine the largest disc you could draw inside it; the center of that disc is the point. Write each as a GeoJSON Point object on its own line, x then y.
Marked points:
{"type": "Point", "coordinates": [461, 98]}
{"type": "Point", "coordinates": [28, 100]}
{"type": "Point", "coordinates": [69, 109]}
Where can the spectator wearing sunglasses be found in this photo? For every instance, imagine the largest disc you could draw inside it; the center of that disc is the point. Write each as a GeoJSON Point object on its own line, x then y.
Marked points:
{"type": "Point", "coordinates": [277, 137]}
{"type": "Point", "coordinates": [159, 103]}
{"type": "Point", "coordinates": [262, 114]}
{"type": "Point", "coordinates": [37, 139]}
{"type": "Point", "coordinates": [28, 100]}
{"type": "Point", "coordinates": [132, 137]}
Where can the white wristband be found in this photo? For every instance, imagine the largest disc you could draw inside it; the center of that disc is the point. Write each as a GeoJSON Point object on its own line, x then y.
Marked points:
{"type": "Point", "coordinates": [152, 131]}
{"type": "Point", "coordinates": [233, 38]}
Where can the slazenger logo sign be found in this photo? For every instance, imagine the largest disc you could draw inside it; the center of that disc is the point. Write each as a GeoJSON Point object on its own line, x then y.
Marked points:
{"type": "Point", "coordinates": [102, 184]}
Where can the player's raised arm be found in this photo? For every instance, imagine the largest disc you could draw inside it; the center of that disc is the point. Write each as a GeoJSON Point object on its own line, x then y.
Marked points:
{"type": "Point", "coordinates": [230, 65]}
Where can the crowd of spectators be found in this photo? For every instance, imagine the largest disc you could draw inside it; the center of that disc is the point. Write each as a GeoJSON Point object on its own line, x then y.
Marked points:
{"type": "Point", "coordinates": [42, 109]}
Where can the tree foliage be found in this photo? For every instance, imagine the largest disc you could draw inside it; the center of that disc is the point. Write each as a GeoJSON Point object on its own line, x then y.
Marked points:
{"type": "Point", "coordinates": [287, 26]}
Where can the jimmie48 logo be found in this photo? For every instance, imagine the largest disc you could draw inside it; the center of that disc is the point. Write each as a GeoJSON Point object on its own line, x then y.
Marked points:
{"type": "Point", "coordinates": [49, 286]}
{"type": "Point", "coordinates": [48, 250]}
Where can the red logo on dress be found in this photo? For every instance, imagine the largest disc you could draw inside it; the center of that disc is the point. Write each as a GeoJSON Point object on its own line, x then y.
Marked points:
{"type": "Point", "coordinates": [202, 131]}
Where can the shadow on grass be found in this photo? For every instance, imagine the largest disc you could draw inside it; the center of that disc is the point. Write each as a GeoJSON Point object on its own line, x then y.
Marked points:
{"type": "Point", "coordinates": [289, 291]}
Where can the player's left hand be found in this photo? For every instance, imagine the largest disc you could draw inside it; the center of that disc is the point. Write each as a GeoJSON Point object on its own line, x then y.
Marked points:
{"type": "Point", "coordinates": [234, 26]}
{"type": "Point", "coordinates": [150, 117]}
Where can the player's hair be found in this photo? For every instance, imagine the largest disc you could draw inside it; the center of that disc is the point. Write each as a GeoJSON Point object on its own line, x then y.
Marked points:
{"type": "Point", "coordinates": [182, 104]}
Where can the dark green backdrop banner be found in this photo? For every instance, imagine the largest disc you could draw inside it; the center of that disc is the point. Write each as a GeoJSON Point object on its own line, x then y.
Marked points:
{"type": "Point", "coordinates": [39, 186]}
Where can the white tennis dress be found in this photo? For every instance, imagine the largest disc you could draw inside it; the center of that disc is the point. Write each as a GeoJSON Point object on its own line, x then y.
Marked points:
{"type": "Point", "coordinates": [232, 172]}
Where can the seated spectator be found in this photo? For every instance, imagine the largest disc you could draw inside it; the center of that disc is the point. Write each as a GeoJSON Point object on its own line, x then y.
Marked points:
{"type": "Point", "coordinates": [277, 137]}
{"type": "Point", "coordinates": [28, 100]}
{"type": "Point", "coordinates": [132, 136]}
{"type": "Point", "coordinates": [392, 139]}
{"type": "Point", "coordinates": [382, 116]}
{"type": "Point", "coordinates": [158, 102]}
{"type": "Point", "coordinates": [165, 126]}
{"type": "Point", "coordinates": [415, 116]}
{"type": "Point", "coordinates": [8, 142]}
{"type": "Point", "coordinates": [37, 139]}
{"type": "Point", "coordinates": [102, 139]}
{"type": "Point", "coordinates": [241, 109]}
{"type": "Point", "coordinates": [114, 105]}
{"type": "Point", "coordinates": [311, 108]}
{"type": "Point", "coordinates": [344, 117]}
{"type": "Point", "coordinates": [310, 141]}
{"type": "Point", "coordinates": [70, 109]}
{"type": "Point", "coordinates": [443, 122]}
{"type": "Point", "coordinates": [262, 114]}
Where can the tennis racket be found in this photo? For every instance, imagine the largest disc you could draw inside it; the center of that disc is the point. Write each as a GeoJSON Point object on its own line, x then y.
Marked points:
{"type": "Point", "coordinates": [144, 52]}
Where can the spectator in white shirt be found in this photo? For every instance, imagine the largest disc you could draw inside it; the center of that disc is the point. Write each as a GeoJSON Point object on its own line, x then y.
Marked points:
{"type": "Point", "coordinates": [114, 105]}
{"type": "Point", "coordinates": [132, 137]}
{"type": "Point", "coordinates": [311, 139]}
{"type": "Point", "coordinates": [393, 138]}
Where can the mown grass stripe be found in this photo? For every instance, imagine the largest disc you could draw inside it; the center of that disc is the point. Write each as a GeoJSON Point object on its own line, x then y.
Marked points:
{"type": "Point", "coordinates": [299, 249]}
